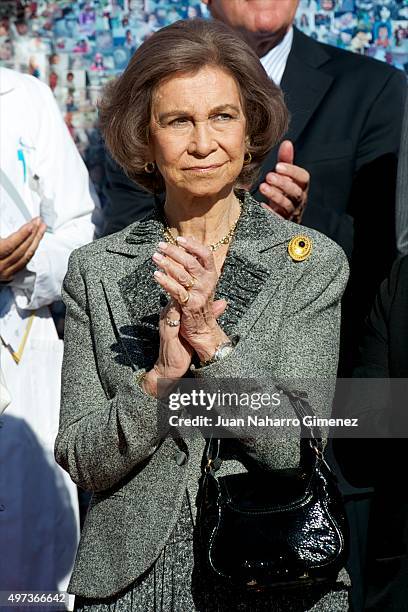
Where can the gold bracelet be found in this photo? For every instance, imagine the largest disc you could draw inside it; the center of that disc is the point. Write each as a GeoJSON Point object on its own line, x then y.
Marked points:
{"type": "Point", "coordinates": [140, 376]}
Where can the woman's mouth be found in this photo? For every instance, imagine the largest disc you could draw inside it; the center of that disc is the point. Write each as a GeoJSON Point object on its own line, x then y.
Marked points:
{"type": "Point", "coordinates": [204, 169]}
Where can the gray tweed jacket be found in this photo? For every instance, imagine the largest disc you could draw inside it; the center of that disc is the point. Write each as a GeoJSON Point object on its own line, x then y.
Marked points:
{"type": "Point", "coordinates": [286, 315]}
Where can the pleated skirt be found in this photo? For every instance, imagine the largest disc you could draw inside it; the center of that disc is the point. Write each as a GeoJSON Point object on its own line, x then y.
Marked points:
{"type": "Point", "coordinates": [175, 583]}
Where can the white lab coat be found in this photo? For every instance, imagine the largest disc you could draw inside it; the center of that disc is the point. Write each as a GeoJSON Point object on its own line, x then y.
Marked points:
{"type": "Point", "coordinates": [38, 502]}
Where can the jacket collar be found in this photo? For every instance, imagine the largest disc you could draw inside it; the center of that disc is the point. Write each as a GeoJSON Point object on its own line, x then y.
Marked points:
{"type": "Point", "coordinates": [257, 230]}
{"type": "Point", "coordinates": [308, 50]}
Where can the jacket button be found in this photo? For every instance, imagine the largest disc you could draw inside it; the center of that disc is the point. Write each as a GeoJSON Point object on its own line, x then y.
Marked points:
{"type": "Point", "coordinates": [2, 507]}
{"type": "Point", "coordinates": [180, 458]}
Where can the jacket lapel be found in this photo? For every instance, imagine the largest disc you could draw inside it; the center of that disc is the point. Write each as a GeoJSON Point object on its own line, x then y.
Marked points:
{"type": "Point", "coordinates": [133, 297]}
{"type": "Point", "coordinates": [253, 269]}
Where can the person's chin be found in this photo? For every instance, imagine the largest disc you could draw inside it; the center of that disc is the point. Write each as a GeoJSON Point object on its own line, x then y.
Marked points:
{"type": "Point", "coordinates": [262, 41]}
{"type": "Point", "coordinates": [206, 187]}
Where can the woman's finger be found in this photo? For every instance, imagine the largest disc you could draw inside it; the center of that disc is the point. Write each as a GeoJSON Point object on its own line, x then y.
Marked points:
{"type": "Point", "coordinates": [202, 252]}
{"type": "Point", "coordinates": [190, 263]}
{"type": "Point", "coordinates": [199, 251]}
{"type": "Point", "coordinates": [175, 270]}
{"type": "Point", "coordinates": [173, 288]}
{"type": "Point", "coordinates": [170, 317]}
{"type": "Point", "coordinates": [219, 306]}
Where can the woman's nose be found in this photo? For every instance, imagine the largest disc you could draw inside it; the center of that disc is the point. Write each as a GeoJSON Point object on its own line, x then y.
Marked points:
{"type": "Point", "coordinates": [202, 141]}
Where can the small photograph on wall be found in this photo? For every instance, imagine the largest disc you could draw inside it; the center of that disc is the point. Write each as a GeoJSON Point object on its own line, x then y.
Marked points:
{"type": "Point", "coordinates": [87, 20]}
{"type": "Point", "coordinates": [345, 6]}
{"type": "Point", "coordinates": [104, 41]}
{"type": "Point", "coordinates": [121, 57]}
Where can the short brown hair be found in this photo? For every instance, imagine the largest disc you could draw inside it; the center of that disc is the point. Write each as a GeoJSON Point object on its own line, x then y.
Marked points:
{"type": "Point", "coordinates": [186, 47]}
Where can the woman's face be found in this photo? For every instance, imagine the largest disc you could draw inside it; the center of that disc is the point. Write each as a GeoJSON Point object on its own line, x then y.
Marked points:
{"type": "Point", "coordinates": [197, 132]}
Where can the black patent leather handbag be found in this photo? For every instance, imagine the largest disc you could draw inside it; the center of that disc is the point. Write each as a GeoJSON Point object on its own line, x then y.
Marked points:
{"type": "Point", "coordinates": [282, 528]}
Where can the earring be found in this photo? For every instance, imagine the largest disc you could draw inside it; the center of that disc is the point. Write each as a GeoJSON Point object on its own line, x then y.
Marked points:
{"type": "Point", "coordinates": [149, 167]}
{"type": "Point", "coordinates": [247, 158]}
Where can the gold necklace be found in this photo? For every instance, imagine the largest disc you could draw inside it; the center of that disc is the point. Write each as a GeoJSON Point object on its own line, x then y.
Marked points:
{"type": "Point", "coordinates": [216, 245]}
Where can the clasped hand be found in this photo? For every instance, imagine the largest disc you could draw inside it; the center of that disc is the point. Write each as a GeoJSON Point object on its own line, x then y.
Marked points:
{"type": "Point", "coordinates": [189, 276]}
{"type": "Point", "coordinates": [287, 187]}
{"type": "Point", "coordinates": [17, 249]}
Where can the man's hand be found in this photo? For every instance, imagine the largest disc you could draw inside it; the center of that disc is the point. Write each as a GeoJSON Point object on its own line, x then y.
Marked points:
{"type": "Point", "coordinates": [287, 187]}
{"type": "Point", "coordinates": [17, 249]}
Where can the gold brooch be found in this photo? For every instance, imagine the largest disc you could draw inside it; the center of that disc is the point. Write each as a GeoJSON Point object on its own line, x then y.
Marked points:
{"type": "Point", "coordinates": [300, 247]}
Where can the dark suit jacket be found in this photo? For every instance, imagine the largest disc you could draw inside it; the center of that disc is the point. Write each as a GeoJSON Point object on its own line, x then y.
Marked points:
{"type": "Point", "coordinates": [384, 350]}
{"type": "Point", "coordinates": [346, 121]}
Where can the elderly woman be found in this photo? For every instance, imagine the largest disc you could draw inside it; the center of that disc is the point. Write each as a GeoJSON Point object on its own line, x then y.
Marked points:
{"type": "Point", "coordinates": [194, 114]}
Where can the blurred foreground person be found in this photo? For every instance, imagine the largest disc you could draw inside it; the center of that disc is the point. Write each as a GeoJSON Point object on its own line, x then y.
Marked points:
{"type": "Point", "coordinates": [402, 188]}
{"type": "Point", "coordinates": [384, 355]}
{"type": "Point", "coordinates": [46, 211]}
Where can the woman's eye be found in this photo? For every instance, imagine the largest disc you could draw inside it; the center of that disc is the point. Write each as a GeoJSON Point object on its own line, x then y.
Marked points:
{"type": "Point", "coordinates": [222, 117]}
{"type": "Point", "coordinates": [179, 121]}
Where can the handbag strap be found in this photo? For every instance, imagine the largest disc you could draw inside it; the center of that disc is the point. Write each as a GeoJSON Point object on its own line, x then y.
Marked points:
{"type": "Point", "coordinates": [302, 408]}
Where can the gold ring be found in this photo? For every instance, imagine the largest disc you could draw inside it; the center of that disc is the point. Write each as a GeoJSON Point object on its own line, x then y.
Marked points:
{"type": "Point", "coordinates": [190, 284]}
{"type": "Point", "coordinates": [172, 322]}
{"type": "Point", "coordinates": [185, 299]}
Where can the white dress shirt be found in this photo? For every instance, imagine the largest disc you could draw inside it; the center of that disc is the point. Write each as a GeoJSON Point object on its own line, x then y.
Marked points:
{"type": "Point", "coordinates": [275, 60]}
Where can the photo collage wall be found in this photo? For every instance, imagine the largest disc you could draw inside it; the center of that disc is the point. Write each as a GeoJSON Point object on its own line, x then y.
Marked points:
{"type": "Point", "coordinates": [76, 46]}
